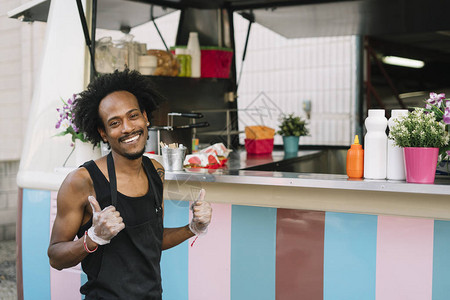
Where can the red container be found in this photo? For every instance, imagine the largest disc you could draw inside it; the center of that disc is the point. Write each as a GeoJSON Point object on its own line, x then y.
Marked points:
{"type": "Point", "coordinates": [259, 146]}
{"type": "Point", "coordinates": [216, 63]}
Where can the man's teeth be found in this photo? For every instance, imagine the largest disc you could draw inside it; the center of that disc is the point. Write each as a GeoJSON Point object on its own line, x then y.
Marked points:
{"type": "Point", "coordinates": [130, 140]}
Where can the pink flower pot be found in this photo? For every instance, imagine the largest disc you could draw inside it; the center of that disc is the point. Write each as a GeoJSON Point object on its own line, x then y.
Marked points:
{"type": "Point", "coordinates": [420, 164]}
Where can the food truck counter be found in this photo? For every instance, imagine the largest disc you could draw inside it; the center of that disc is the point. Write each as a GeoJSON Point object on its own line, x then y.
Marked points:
{"type": "Point", "coordinates": [274, 235]}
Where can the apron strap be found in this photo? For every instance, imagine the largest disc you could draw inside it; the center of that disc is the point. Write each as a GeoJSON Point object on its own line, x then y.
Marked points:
{"type": "Point", "coordinates": [151, 185]}
{"type": "Point", "coordinates": [112, 179]}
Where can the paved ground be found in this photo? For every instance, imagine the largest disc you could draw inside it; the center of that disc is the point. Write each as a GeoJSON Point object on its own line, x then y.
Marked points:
{"type": "Point", "coordinates": [8, 270]}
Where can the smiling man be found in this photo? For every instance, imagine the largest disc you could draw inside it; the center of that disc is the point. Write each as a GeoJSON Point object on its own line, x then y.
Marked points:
{"type": "Point", "coordinates": [114, 205]}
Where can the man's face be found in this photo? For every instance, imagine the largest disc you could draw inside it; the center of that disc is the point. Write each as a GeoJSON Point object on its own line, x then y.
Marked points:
{"type": "Point", "coordinates": [125, 124]}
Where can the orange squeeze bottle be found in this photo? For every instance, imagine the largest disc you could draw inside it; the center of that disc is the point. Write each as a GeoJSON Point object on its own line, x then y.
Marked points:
{"type": "Point", "coordinates": [355, 160]}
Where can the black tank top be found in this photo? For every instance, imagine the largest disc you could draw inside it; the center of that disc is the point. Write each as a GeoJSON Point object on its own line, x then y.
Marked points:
{"type": "Point", "coordinates": [129, 266]}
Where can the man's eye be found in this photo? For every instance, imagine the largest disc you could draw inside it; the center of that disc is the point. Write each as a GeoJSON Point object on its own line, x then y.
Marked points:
{"type": "Point", "coordinates": [113, 124]}
{"type": "Point", "coordinates": [134, 116]}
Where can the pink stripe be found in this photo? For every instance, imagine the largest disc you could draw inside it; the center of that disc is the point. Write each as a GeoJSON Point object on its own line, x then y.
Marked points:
{"type": "Point", "coordinates": [53, 197]}
{"type": "Point", "coordinates": [209, 258]}
{"type": "Point", "coordinates": [65, 284]}
{"type": "Point", "coordinates": [404, 258]}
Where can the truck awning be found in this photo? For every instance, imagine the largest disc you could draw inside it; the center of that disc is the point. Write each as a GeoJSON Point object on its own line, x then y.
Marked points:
{"type": "Point", "coordinates": [414, 22]}
{"type": "Point", "coordinates": [36, 10]}
{"type": "Point", "coordinates": [111, 14]}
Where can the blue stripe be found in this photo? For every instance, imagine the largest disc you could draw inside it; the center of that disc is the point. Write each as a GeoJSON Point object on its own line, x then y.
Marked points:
{"type": "Point", "coordinates": [253, 244]}
{"type": "Point", "coordinates": [350, 248]}
{"type": "Point", "coordinates": [441, 260]}
{"type": "Point", "coordinates": [35, 239]}
{"type": "Point", "coordinates": [174, 261]}
{"type": "Point", "coordinates": [83, 280]}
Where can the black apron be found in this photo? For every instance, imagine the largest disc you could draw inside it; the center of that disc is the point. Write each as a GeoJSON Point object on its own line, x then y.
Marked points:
{"type": "Point", "coordinates": [129, 266]}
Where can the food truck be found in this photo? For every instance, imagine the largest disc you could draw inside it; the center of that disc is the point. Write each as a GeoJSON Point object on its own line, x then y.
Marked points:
{"type": "Point", "coordinates": [283, 227]}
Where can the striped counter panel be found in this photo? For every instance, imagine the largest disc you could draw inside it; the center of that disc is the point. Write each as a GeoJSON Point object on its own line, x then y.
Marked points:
{"type": "Point", "coordinates": [268, 253]}
{"type": "Point", "coordinates": [40, 281]}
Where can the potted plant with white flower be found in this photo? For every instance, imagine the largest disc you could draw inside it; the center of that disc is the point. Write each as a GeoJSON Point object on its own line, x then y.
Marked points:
{"type": "Point", "coordinates": [422, 135]}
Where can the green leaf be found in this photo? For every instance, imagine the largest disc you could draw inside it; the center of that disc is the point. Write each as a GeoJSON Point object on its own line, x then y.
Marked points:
{"type": "Point", "coordinates": [61, 133]}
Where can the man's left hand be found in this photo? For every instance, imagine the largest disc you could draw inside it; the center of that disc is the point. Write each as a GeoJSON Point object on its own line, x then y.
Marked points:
{"type": "Point", "coordinates": [202, 212]}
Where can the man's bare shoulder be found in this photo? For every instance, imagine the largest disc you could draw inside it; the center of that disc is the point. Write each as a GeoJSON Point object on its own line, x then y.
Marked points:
{"type": "Point", "coordinates": [159, 168]}
{"type": "Point", "coordinates": [78, 177]}
{"type": "Point", "coordinates": [77, 183]}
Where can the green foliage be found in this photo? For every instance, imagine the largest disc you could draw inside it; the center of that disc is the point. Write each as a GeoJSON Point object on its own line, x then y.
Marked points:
{"type": "Point", "coordinates": [292, 125]}
{"type": "Point", "coordinates": [419, 129]}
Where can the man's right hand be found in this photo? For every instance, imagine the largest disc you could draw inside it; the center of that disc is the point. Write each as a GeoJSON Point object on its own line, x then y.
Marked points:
{"type": "Point", "coordinates": [106, 223]}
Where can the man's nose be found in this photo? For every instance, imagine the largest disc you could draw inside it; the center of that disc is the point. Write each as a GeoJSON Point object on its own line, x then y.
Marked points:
{"type": "Point", "coordinates": [128, 126]}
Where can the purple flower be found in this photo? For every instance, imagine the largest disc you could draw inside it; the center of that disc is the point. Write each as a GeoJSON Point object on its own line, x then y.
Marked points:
{"type": "Point", "coordinates": [435, 99]}
{"type": "Point", "coordinates": [67, 118]}
{"type": "Point", "coordinates": [65, 124]}
{"type": "Point", "coordinates": [71, 100]}
{"type": "Point", "coordinates": [446, 116]}
{"type": "Point", "coordinates": [448, 152]}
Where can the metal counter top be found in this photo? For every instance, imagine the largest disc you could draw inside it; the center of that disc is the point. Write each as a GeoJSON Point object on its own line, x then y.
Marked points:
{"type": "Point", "coordinates": [235, 173]}
{"type": "Point", "coordinates": [239, 160]}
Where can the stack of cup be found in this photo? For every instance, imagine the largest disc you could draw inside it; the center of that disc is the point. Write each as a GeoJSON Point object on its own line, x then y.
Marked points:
{"type": "Point", "coordinates": [147, 64]}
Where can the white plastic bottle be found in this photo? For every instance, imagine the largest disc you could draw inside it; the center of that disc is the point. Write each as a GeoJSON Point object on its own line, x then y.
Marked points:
{"type": "Point", "coordinates": [193, 48]}
{"type": "Point", "coordinates": [375, 145]}
{"type": "Point", "coordinates": [395, 158]}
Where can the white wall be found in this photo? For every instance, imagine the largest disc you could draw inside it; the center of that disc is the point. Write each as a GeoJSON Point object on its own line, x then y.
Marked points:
{"type": "Point", "coordinates": [288, 71]}
{"type": "Point", "coordinates": [20, 53]}
{"type": "Point", "coordinates": [8, 199]}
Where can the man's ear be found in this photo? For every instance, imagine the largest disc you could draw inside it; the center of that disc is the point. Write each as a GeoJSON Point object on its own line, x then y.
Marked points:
{"type": "Point", "coordinates": [102, 134]}
{"type": "Point", "coordinates": [144, 113]}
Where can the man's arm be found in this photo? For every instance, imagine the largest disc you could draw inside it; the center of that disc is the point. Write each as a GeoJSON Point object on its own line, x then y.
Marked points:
{"type": "Point", "coordinates": [175, 236]}
{"type": "Point", "coordinates": [63, 251]}
{"type": "Point", "coordinates": [172, 236]}
{"type": "Point", "coordinates": [73, 196]}
{"type": "Point", "coordinates": [201, 217]}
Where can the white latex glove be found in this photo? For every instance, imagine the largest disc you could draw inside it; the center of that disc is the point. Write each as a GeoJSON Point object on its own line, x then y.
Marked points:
{"type": "Point", "coordinates": [201, 214]}
{"type": "Point", "coordinates": [106, 223]}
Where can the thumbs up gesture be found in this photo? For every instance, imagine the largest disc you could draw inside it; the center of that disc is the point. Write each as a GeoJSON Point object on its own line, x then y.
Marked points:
{"type": "Point", "coordinates": [201, 214]}
{"type": "Point", "coordinates": [106, 223]}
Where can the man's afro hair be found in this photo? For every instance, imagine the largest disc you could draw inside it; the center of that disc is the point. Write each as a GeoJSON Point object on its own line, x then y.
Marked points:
{"type": "Point", "coordinates": [87, 118]}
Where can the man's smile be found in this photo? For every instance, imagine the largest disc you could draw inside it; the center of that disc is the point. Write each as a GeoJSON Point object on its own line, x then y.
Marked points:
{"type": "Point", "coordinates": [131, 138]}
